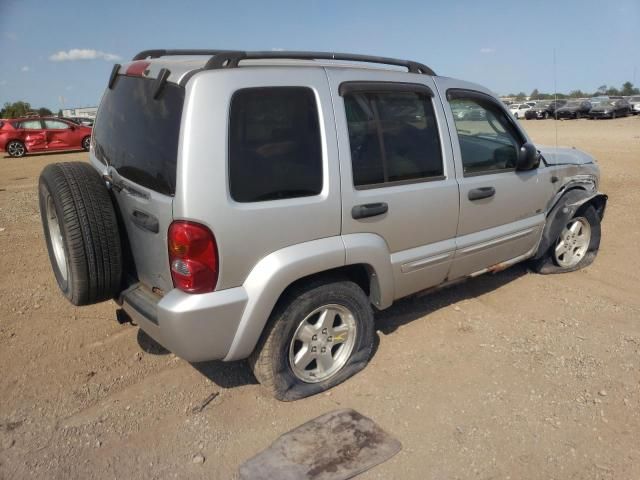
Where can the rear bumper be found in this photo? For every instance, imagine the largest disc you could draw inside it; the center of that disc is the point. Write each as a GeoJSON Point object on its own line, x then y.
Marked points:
{"type": "Point", "coordinates": [195, 327]}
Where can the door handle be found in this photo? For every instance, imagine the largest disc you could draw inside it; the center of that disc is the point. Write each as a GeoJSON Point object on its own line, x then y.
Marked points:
{"type": "Point", "coordinates": [145, 221]}
{"type": "Point", "coordinates": [482, 192]}
{"type": "Point", "coordinates": [369, 210]}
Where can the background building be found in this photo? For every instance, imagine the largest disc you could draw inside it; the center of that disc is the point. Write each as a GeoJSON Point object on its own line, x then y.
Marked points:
{"type": "Point", "coordinates": [89, 112]}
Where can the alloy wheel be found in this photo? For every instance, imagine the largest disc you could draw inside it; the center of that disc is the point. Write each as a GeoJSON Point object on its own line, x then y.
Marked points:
{"type": "Point", "coordinates": [322, 343]}
{"type": "Point", "coordinates": [573, 243]}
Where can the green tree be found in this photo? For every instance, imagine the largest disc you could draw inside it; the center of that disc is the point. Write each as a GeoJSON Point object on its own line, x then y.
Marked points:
{"type": "Point", "coordinates": [521, 96]}
{"type": "Point", "coordinates": [602, 90]}
{"type": "Point", "coordinates": [612, 91]}
{"type": "Point", "coordinates": [628, 89]}
{"type": "Point", "coordinates": [60, 113]}
{"type": "Point", "coordinates": [535, 95]}
{"type": "Point", "coordinates": [15, 109]}
{"type": "Point", "coordinates": [44, 112]}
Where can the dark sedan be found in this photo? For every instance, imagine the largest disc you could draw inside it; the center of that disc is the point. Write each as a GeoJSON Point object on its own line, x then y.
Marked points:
{"type": "Point", "coordinates": [610, 109]}
{"type": "Point", "coordinates": [574, 109]}
{"type": "Point", "coordinates": [539, 111]}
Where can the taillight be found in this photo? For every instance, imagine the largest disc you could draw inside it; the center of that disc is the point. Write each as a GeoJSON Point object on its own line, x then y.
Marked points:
{"type": "Point", "coordinates": [193, 257]}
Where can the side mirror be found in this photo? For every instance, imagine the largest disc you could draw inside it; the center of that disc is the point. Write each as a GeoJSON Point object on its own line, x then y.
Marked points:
{"type": "Point", "coordinates": [72, 127]}
{"type": "Point", "coordinates": [528, 157]}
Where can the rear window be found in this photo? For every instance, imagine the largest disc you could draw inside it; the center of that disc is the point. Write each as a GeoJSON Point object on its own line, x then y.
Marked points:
{"type": "Point", "coordinates": [139, 135]}
{"type": "Point", "coordinates": [274, 144]}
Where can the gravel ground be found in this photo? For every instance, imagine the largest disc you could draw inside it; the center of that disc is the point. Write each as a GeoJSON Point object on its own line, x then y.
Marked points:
{"type": "Point", "coordinates": [508, 376]}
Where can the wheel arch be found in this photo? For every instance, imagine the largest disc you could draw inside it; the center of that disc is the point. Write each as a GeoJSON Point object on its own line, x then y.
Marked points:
{"type": "Point", "coordinates": [569, 203]}
{"type": "Point", "coordinates": [332, 258]}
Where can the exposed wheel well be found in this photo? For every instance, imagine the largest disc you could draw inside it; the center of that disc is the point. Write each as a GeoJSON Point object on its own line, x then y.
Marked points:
{"type": "Point", "coordinates": [360, 274]}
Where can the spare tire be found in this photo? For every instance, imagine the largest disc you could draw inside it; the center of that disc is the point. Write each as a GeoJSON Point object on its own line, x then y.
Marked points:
{"type": "Point", "coordinates": [81, 230]}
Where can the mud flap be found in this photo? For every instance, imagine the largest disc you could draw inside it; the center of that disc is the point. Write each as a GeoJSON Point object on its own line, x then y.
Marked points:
{"type": "Point", "coordinates": [337, 445]}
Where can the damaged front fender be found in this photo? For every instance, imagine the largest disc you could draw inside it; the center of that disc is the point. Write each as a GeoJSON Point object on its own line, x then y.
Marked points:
{"type": "Point", "coordinates": [565, 209]}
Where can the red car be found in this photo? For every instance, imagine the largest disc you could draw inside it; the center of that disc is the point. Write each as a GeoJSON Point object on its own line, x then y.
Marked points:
{"type": "Point", "coordinates": [30, 135]}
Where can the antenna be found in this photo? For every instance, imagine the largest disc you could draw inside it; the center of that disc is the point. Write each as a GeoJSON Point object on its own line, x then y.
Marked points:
{"type": "Point", "coordinates": [555, 95]}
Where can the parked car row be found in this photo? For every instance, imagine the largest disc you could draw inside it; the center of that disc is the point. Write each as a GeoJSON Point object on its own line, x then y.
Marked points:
{"type": "Point", "coordinates": [20, 136]}
{"type": "Point", "coordinates": [596, 107]}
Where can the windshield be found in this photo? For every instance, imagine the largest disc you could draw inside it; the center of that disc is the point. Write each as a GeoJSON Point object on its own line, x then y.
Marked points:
{"type": "Point", "coordinates": [138, 135]}
{"type": "Point", "coordinates": [634, 99]}
{"type": "Point", "coordinates": [607, 103]}
{"type": "Point", "coordinates": [573, 104]}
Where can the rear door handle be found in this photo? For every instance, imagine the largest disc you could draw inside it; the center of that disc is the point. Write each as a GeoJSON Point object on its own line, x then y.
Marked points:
{"type": "Point", "coordinates": [482, 192]}
{"type": "Point", "coordinates": [145, 221]}
{"type": "Point", "coordinates": [369, 210]}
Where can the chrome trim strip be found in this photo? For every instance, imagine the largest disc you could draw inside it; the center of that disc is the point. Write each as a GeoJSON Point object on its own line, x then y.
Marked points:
{"type": "Point", "coordinates": [424, 262]}
{"type": "Point", "coordinates": [497, 241]}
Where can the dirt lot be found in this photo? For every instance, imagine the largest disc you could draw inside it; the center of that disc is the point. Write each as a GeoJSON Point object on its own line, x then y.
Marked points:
{"type": "Point", "coordinates": [513, 375]}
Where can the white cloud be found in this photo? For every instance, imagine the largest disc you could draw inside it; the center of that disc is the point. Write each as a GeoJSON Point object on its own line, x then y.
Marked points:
{"type": "Point", "coordinates": [487, 50]}
{"type": "Point", "coordinates": [82, 54]}
{"type": "Point", "coordinates": [25, 69]}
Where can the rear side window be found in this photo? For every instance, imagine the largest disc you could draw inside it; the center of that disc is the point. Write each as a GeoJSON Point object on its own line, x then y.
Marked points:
{"type": "Point", "coordinates": [138, 135]}
{"type": "Point", "coordinates": [274, 144]}
{"type": "Point", "coordinates": [55, 125]}
{"type": "Point", "coordinates": [393, 138]}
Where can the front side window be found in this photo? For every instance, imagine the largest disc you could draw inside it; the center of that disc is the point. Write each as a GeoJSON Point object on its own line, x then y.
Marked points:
{"type": "Point", "coordinates": [393, 137]}
{"type": "Point", "coordinates": [31, 125]}
{"type": "Point", "coordinates": [488, 143]}
{"type": "Point", "coordinates": [275, 148]}
{"type": "Point", "coordinates": [55, 125]}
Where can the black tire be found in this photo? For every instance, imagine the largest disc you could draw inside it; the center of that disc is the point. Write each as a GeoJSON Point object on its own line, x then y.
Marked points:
{"type": "Point", "coordinates": [16, 149]}
{"type": "Point", "coordinates": [86, 143]}
{"type": "Point", "coordinates": [91, 268]}
{"type": "Point", "coordinates": [614, 115]}
{"type": "Point", "coordinates": [270, 359]}
{"type": "Point", "coordinates": [547, 264]}
{"type": "Point", "coordinates": [578, 115]}
{"type": "Point", "coordinates": [546, 115]}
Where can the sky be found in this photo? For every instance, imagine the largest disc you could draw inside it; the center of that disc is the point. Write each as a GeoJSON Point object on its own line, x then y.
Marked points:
{"type": "Point", "coordinates": [59, 53]}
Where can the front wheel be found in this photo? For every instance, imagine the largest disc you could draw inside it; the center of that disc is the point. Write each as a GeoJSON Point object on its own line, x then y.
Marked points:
{"type": "Point", "coordinates": [576, 247]}
{"type": "Point", "coordinates": [578, 115]}
{"type": "Point", "coordinates": [546, 115]}
{"type": "Point", "coordinates": [86, 143]}
{"type": "Point", "coordinates": [317, 337]}
{"type": "Point", "coordinates": [16, 149]}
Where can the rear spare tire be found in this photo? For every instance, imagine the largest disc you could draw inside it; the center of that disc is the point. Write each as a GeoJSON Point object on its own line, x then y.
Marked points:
{"type": "Point", "coordinates": [81, 231]}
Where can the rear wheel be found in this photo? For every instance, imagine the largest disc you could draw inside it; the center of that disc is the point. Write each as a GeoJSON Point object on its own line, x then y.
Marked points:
{"type": "Point", "coordinates": [578, 115]}
{"type": "Point", "coordinates": [16, 148]}
{"type": "Point", "coordinates": [81, 232]}
{"type": "Point", "coordinates": [317, 337]}
{"type": "Point", "coordinates": [86, 143]}
{"type": "Point", "coordinates": [546, 115]}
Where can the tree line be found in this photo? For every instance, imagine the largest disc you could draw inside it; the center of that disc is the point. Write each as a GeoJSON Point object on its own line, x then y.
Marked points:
{"type": "Point", "coordinates": [626, 90]}
{"type": "Point", "coordinates": [23, 109]}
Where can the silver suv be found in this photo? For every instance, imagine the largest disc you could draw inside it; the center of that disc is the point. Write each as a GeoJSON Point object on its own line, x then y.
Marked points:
{"type": "Point", "coordinates": [262, 205]}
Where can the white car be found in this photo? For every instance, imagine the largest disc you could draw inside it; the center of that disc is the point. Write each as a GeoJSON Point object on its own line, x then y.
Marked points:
{"type": "Point", "coordinates": [518, 109]}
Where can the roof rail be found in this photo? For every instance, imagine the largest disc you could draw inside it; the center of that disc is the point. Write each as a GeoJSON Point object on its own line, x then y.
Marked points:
{"type": "Point", "coordinates": [231, 58]}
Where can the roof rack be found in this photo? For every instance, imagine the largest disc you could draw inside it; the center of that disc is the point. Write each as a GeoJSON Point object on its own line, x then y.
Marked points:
{"type": "Point", "coordinates": [231, 58]}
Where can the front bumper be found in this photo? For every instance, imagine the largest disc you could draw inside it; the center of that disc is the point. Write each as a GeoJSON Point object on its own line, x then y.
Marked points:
{"type": "Point", "coordinates": [600, 115]}
{"type": "Point", "coordinates": [534, 115]}
{"type": "Point", "coordinates": [195, 327]}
